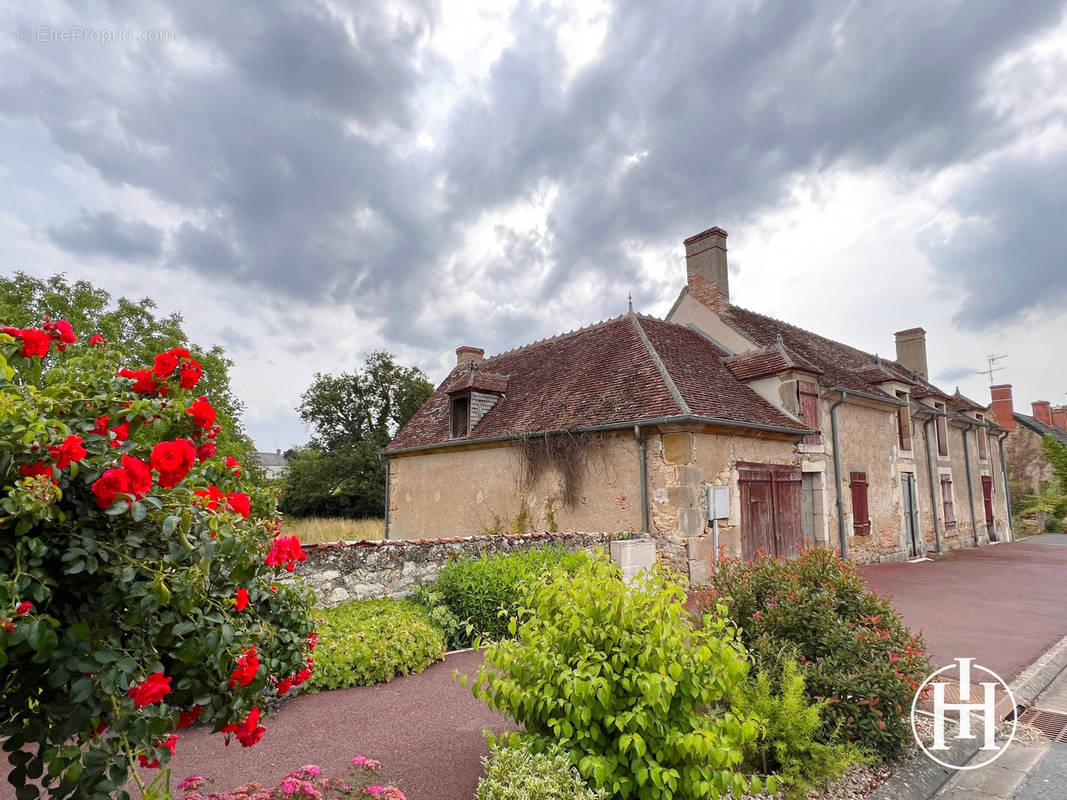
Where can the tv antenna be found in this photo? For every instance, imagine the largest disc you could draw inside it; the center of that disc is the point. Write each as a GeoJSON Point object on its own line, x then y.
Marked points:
{"type": "Point", "coordinates": [991, 368]}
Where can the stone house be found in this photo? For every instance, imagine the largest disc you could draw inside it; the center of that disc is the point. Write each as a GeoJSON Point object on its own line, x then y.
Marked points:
{"type": "Point", "coordinates": [1028, 469]}
{"type": "Point", "coordinates": [715, 427]}
{"type": "Point", "coordinates": [275, 465]}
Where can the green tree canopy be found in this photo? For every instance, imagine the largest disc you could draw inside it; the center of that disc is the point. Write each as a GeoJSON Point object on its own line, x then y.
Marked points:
{"type": "Point", "coordinates": [352, 416]}
{"type": "Point", "coordinates": [133, 326]}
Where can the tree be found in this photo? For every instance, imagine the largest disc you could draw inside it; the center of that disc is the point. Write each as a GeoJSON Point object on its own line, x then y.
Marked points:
{"type": "Point", "coordinates": [139, 574]}
{"type": "Point", "coordinates": [135, 329]}
{"type": "Point", "coordinates": [352, 416]}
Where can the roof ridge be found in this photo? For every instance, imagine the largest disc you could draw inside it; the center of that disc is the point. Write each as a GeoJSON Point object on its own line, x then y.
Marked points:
{"type": "Point", "coordinates": [554, 338]}
{"type": "Point", "coordinates": [668, 381]}
{"type": "Point", "coordinates": [864, 353]}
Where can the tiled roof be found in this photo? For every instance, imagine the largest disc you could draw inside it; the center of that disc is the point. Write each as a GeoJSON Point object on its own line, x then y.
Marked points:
{"type": "Point", "coordinates": [766, 361]}
{"type": "Point", "coordinates": [600, 375]}
{"type": "Point", "coordinates": [840, 364]}
{"type": "Point", "coordinates": [477, 379]}
{"type": "Point", "coordinates": [1041, 429]}
{"type": "Point", "coordinates": [960, 402]}
{"type": "Point", "coordinates": [268, 459]}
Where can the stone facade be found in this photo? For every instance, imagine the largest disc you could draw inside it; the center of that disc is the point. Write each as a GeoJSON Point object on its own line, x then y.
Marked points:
{"type": "Point", "coordinates": [367, 570]}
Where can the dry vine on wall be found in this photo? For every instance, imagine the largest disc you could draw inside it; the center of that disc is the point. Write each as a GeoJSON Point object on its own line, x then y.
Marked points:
{"type": "Point", "coordinates": [568, 454]}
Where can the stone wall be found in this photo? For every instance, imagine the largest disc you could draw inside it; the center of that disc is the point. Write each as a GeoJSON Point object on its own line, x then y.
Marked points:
{"type": "Point", "coordinates": [393, 568]}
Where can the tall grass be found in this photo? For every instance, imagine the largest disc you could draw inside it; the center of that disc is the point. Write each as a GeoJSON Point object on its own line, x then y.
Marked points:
{"type": "Point", "coordinates": [332, 529]}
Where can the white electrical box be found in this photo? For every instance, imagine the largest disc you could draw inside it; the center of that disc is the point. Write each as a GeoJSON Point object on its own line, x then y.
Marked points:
{"type": "Point", "coordinates": [718, 502]}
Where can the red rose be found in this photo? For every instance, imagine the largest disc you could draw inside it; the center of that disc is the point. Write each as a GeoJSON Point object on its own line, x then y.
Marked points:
{"type": "Point", "coordinates": [205, 451]}
{"type": "Point", "coordinates": [100, 429]}
{"type": "Point", "coordinates": [66, 332]}
{"type": "Point", "coordinates": [231, 462]}
{"type": "Point", "coordinates": [248, 732]}
{"type": "Point", "coordinates": [247, 667]}
{"type": "Point", "coordinates": [34, 342]}
{"type": "Point", "coordinates": [202, 412]}
{"type": "Point", "coordinates": [285, 550]}
{"type": "Point", "coordinates": [190, 375]}
{"type": "Point", "coordinates": [71, 450]}
{"type": "Point", "coordinates": [138, 474]}
{"type": "Point", "coordinates": [96, 340]}
{"type": "Point", "coordinates": [151, 690]}
{"type": "Point", "coordinates": [302, 676]}
{"type": "Point", "coordinates": [284, 686]}
{"type": "Point", "coordinates": [25, 607]}
{"type": "Point", "coordinates": [40, 468]}
{"type": "Point", "coordinates": [164, 364]}
{"type": "Point", "coordinates": [144, 380]}
{"type": "Point", "coordinates": [210, 497]}
{"type": "Point", "coordinates": [122, 433]}
{"type": "Point", "coordinates": [170, 744]}
{"type": "Point", "coordinates": [313, 641]}
{"type": "Point", "coordinates": [241, 600]}
{"type": "Point", "coordinates": [239, 502]}
{"type": "Point", "coordinates": [112, 483]}
{"type": "Point", "coordinates": [187, 718]}
{"type": "Point", "coordinates": [173, 460]}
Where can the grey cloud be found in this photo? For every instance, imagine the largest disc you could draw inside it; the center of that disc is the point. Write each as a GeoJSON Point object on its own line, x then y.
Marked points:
{"type": "Point", "coordinates": [955, 374]}
{"type": "Point", "coordinates": [1008, 253]}
{"type": "Point", "coordinates": [106, 234]}
{"type": "Point", "coordinates": [283, 144]}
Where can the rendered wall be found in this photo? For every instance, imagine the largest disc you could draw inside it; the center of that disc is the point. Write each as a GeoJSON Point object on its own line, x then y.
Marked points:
{"type": "Point", "coordinates": [463, 492]}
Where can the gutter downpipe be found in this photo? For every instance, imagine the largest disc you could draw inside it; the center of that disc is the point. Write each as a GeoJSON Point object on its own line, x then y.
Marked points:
{"type": "Point", "coordinates": [1004, 480]}
{"type": "Point", "coordinates": [640, 437]}
{"type": "Point", "coordinates": [388, 464]}
{"type": "Point", "coordinates": [970, 489]}
{"type": "Point", "coordinates": [842, 539]}
{"type": "Point", "coordinates": [930, 469]}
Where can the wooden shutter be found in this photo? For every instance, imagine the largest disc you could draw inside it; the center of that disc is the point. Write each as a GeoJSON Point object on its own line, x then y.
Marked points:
{"type": "Point", "coordinates": [987, 494]}
{"type": "Point", "coordinates": [861, 515]}
{"type": "Point", "coordinates": [946, 497]}
{"type": "Point", "coordinates": [808, 393]}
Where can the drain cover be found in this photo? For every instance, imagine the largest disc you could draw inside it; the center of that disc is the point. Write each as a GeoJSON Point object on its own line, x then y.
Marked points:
{"type": "Point", "coordinates": [1051, 723]}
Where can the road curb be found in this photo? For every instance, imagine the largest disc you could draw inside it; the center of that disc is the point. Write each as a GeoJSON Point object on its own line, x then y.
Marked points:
{"type": "Point", "coordinates": [920, 778]}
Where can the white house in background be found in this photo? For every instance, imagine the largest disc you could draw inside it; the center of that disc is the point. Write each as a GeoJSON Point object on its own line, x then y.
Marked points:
{"type": "Point", "coordinates": [274, 464]}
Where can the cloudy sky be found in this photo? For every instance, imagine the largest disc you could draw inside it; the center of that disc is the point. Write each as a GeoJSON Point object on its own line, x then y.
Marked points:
{"type": "Point", "coordinates": [307, 181]}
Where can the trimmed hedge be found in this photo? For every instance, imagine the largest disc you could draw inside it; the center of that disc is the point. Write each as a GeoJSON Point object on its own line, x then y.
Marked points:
{"type": "Point", "coordinates": [363, 642]}
{"type": "Point", "coordinates": [475, 591]}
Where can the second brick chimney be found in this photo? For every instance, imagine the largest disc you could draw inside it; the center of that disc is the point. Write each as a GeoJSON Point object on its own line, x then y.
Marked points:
{"type": "Point", "coordinates": [469, 355]}
{"type": "Point", "coordinates": [705, 265]}
{"type": "Point", "coordinates": [1003, 406]}
{"type": "Point", "coordinates": [911, 350]}
{"type": "Point", "coordinates": [1042, 411]}
{"type": "Point", "coordinates": [1059, 418]}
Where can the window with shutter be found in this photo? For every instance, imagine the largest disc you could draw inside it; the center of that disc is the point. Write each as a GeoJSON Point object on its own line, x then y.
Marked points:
{"type": "Point", "coordinates": [904, 423]}
{"type": "Point", "coordinates": [861, 516]}
{"type": "Point", "coordinates": [808, 394]}
{"type": "Point", "coordinates": [946, 496]}
{"type": "Point", "coordinates": [942, 431]}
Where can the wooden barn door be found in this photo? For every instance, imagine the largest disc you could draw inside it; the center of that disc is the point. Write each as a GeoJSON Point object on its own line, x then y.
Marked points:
{"type": "Point", "coordinates": [771, 519]}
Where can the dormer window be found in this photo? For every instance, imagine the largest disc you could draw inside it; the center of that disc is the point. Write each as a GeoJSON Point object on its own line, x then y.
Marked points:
{"type": "Point", "coordinates": [460, 415]}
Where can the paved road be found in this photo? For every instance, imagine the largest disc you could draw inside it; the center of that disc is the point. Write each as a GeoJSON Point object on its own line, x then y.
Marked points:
{"type": "Point", "coordinates": [426, 729]}
{"type": "Point", "coordinates": [1001, 604]}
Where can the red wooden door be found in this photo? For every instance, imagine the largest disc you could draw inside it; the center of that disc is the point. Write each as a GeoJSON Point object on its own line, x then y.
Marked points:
{"type": "Point", "coordinates": [770, 510]}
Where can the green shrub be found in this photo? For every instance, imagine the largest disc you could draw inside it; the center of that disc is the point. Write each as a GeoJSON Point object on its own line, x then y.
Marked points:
{"type": "Point", "coordinates": [432, 600]}
{"type": "Point", "coordinates": [370, 641]}
{"type": "Point", "coordinates": [790, 724]}
{"type": "Point", "coordinates": [477, 590]}
{"type": "Point", "coordinates": [515, 771]}
{"type": "Point", "coordinates": [856, 652]}
{"type": "Point", "coordinates": [622, 680]}
{"type": "Point", "coordinates": [1053, 525]}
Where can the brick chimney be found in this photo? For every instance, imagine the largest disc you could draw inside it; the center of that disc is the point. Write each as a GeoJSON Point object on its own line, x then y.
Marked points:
{"type": "Point", "coordinates": [911, 350]}
{"type": "Point", "coordinates": [1059, 418]}
{"type": "Point", "coordinates": [1042, 411]}
{"type": "Point", "coordinates": [469, 355]}
{"type": "Point", "coordinates": [705, 267]}
{"type": "Point", "coordinates": [1003, 406]}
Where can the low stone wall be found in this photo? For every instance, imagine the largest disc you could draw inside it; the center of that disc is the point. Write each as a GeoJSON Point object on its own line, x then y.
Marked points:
{"type": "Point", "coordinates": [393, 568]}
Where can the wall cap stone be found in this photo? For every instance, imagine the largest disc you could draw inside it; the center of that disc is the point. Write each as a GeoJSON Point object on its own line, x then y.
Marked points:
{"type": "Point", "coordinates": [499, 537]}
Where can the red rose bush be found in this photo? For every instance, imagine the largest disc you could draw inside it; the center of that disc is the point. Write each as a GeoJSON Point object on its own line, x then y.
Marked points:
{"type": "Point", "coordinates": [139, 589]}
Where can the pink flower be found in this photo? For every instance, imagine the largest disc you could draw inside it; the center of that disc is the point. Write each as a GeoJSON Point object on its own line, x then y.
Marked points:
{"type": "Point", "coordinates": [289, 786]}
{"type": "Point", "coordinates": [192, 782]}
